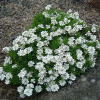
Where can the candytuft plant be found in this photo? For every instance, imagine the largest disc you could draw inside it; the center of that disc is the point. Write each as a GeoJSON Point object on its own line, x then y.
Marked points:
{"type": "Point", "coordinates": [56, 49]}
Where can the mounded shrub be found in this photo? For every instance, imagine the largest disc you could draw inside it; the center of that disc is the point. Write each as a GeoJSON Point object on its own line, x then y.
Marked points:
{"type": "Point", "coordinates": [56, 49]}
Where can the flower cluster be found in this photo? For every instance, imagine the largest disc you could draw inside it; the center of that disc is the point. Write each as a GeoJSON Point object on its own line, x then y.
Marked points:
{"type": "Point", "coordinates": [51, 53]}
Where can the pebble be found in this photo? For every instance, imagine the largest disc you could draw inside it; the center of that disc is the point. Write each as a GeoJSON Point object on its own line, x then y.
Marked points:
{"type": "Point", "coordinates": [85, 98]}
{"type": "Point", "coordinates": [92, 80]}
{"type": "Point", "coordinates": [83, 79]}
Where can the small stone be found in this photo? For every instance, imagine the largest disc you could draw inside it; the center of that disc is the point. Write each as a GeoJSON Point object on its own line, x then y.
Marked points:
{"type": "Point", "coordinates": [83, 79]}
{"type": "Point", "coordinates": [85, 98]}
{"type": "Point", "coordinates": [92, 80]}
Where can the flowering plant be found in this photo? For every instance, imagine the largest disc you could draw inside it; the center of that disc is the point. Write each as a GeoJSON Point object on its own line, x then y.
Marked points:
{"type": "Point", "coordinates": [56, 49]}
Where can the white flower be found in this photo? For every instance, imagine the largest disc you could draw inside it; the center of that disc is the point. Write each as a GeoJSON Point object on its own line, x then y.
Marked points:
{"type": "Point", "coordinates": [25, 81]}
{"type": "Point", "coordinates": [41, 75]}
{"type": "Point", "coordinates": [29, 74]}
{"type": "Point", "coordinates": [72, 77]}
{"type": "Point", "coordinates": [21, 52]}
{"type": "Point", "coordinates": [7, 81]}
{"type": "Point", "coordinates": [98, 45]}
{"type": "Point", "coordinates": [40, 81]}
{"type": "Point", "coordinates": [84, 46]}
{"type": "Point", "coordinates": [33, 80]}
{"type": "Point", "coordinates": [47, 26]}
{"type": "Point", "coordinates": [22, 73]}
{"type": "Point", "coordinates": [66, 21]}
{"type": "Point", "coordinates": [39, 57]}
{"type": "Point", "coordinates": [80, 57]}
{"type": "Point", "coordinates": [66, 66]}
{"type": "Point", "coordinates": [46, 15]}
{"type": "Point", "coordinates": [6, 49]}
{"type": "Point", "coordinates": [40, 44]}
{"type": "Point", "coordinates": [54, 22]}
{"type": "Point", "coordinates": [31, 40]}
{"type": "Point", "coordinates": [70, 82]}
{"type": "Point", "coordinates": [46, 79]}
{"type": "Point", "coordinates": [57, 66]}
{"type": "Point", "coordinates": [62, 82]}
{"type": "Point", "coordinates": [41, 26]}
{"type": "Point", "coordinates": [45, 59]}
{"type": "Point", "coordinates": [38, 88]}
{"type": "Point", "coordinates": [42, 70]}
{"type": "Point", "coordinates": [22, 47]}
{"type": "Point", "coordinates": [23, 40]}
{"type": "Point", "coordinates": [76, 14]}
{"type": "Point", "coordinates": [33, 30]}
{"type": "Point", "coordinates": [69, 11]}
{"type": "Point", "coordinates": [79, 52]}
{"type": "Point", "coordinates": [39, 65]}
{"type": "Point", "coordinates": [46, 42]}
{"type": "Point", "coordinates": [1, 69]}
{"type": "Point", "coordinates": [2, 77]}
{"type": "Point", "coordinates": [15, 47]}
{"type": "Point", "coordinates": [52, 77]}
{"type": "Point", "coordinates": [7, 60]}
{"type": "Point", "coordinates": [71, 41]}
{"type": "Point", "coordinates": [65, 76]}
{"type": "Point", "coordinates": [93, 37]}
{"type": "Point", "coordinates": [59, 31]}
{"type": "Point", "coordinates": [61, 23]}
{"type": "Point", "coordinates": [44, 34]}
{"type": "Point", "coordinates": [25, 33]}
{"type": "Point", "coordinates": [48, 88]}
{"type": "Point", "coordinates": [30, 63]}
{"type": "Point", "coordinates": [63, 48]}
{"type": "Point", "coordinates": [29, 86]}
{"type": "Point", "coordinates": [93, 29]}
{"type": "Point", "coordinates": [55, 73]}
{"type": "Point", "coordinates": [9, 75]}
{"type": "Point", "coordinates": [61, 70]}
{"type": "Point", "coordinates": [14, 66]}
{"type": "Point", "coordinates": [28, 92]}
{"type": "Point", "coordinates": [83, 69]}
{"type": "Point", "coordinates": [20, 89]}
{"type": "Point", "coordinates": [79, 65]}
{"type": "Point", "coordinates": [28, 50]}
{"type": "Point", "coordinates": [68, 28]}
{"type": "Point", "coordinates": [22, 95]}
{"type": "Point", "coordinates": [67, 57]}
{"type": "Point", "coordinates": [52, 34]}
{"type": "Point", "coordinates": [54, 27]}
{"type": "Point", "coordinates": [52, 82]}
{"type": "Point", "coordinates": [48, 7]}
{"type": "Point", "coordinates": [91, 50]}
{"type": "Point", "coordinates": [93, 65]}
{"type": "Point", "coordinates": [40, 50]}
{"type": "Point", "coordinates": [78, 41]}
{"type": "Point", "coordinates": [48, 51]}
{"type": "Point", "coordinates": [50, 71]}
{"type": "Point", "coordinates": [88, 33]}
{"type": "Point", "coordinates": [54, 88]}
{"type": "Point", "coordinates": [72, 62]}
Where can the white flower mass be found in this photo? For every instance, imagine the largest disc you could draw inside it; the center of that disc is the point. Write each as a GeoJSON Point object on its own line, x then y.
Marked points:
{"type": "Point", "coordinates": [50, 55]}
